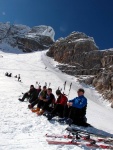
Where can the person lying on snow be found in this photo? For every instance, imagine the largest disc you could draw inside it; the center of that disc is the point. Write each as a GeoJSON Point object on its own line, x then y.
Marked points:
{"type": "Point", "coordinates": [75, 110]}
{"type": "Point", "coordinates": [31, 95]}
{"type": "Point", "coordinates": [30, 106]}
{"type": "Point", "coordinates": [59, 105]}
{"type": "Point", "coordinates": [43, 104]}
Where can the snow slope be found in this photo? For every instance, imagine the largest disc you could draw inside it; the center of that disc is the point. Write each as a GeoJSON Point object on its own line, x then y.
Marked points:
{"type": "Point", "coordinates": [22, 130]}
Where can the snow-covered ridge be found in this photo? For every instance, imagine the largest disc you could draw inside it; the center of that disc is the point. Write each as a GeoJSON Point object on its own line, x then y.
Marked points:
{"type": "Point", "coordinates": [42, 30]}
{"type": "Point", "coordinates": [19, 29]}
{"type": "Point", "coordinates": [17, 35]}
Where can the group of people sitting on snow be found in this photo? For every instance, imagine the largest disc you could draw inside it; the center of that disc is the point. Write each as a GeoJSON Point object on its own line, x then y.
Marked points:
{"type": "Point", "coordinates": [69, 111]}
{"type": "Point", "coordinates": [8, 74]}
{"type": "Point", "coordinates": [16, 76]}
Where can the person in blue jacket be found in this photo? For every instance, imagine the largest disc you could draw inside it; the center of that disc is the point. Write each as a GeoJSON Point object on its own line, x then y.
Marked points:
{"type": "Point", "coordinates": [78, 102]}
{"type": "Point", "coordinates": [75, 110]}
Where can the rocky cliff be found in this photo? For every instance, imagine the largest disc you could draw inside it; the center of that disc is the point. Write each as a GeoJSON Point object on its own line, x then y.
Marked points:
{"type": "Point", "coordinates": [25, 38]}
{"type": "Point", "coordinates": [78, 55]}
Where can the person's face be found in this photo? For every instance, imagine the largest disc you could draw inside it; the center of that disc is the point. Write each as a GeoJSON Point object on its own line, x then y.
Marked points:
{"type": "Point", "coordinates": [31, 87]}
{"type": "Point", "coordinates": [80, 93]}
{"type": "Point", "coordinates": [44, 89]}
{"type": "Point", "coordinates": [48, 92]}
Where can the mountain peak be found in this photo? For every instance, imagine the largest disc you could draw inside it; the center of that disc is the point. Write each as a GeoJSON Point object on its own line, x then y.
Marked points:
{"type": "Point", "coordinates": [25, 38]}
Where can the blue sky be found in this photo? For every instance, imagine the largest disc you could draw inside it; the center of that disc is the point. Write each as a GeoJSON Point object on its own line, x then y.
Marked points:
{"type": "Point", "coordinates": [93, 17]}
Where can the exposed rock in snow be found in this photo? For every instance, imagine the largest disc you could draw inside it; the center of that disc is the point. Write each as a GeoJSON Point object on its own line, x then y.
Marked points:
{"type": "Point", "coordinates": [79, 55]}
{"type": "Point", "coordinates": [25, 38]}
{"type": "Point", "coordinates": [75, 43]}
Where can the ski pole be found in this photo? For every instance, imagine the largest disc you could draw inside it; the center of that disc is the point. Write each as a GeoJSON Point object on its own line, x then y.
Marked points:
{"type": "Point", "coordinates": [70, 89]}
{"type": "Point", "coordinates": [49, 85]}
{"type": "Point", "coordinates": [37, 84]}
{"type": "Point", "coordinates": [64, 86]}
{"type": "Point", "coordinates": [59, 88]}
{"type": "Point", "coordinates": [45, 83]}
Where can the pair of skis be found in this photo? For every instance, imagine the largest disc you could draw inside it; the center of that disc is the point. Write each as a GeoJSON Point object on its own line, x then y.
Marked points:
{"type": "Point", "coordinates": [81, 137]}
{"type": "Point", "coordinates": [82, 142]}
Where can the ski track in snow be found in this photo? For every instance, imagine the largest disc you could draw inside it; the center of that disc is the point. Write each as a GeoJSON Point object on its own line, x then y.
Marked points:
{"type": "Point", "coordinates": [22, 130]}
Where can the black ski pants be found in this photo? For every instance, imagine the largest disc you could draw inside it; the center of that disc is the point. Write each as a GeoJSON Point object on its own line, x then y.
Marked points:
{"type": "Point", "coordinates": [58, 110]}
{"type": "Point", "coordinates": [34, 103]}
{"type": "Point", "coordinates": [33, 97]}
{"type": "Point", "coordinates": [25, 95]}
{"type": "Point", "coordinates": [76, 114]}
{"type": "Point", "coordinates": [43, 105]}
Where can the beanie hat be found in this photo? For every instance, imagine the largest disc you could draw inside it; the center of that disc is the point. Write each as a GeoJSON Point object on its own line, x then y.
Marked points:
{"type": "Point", "coordinates": [58, 92]}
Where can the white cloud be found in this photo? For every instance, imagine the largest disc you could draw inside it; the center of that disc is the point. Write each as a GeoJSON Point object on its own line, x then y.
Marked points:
{"type": "Point", "coordinates": [3, 13]}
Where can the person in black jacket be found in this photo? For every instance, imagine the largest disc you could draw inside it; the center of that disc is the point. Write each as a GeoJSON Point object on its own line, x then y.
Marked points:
{"type": "Point", "coordinates": [32, 95]}
{"type": "Point", "coordinates": [42, 94]}
{"type": "Point", "coordinates": [31, 105]}
{"type": "Point", "coordinates": [43, 104]}
{"type": "Point", "coordinates": [59, 106]}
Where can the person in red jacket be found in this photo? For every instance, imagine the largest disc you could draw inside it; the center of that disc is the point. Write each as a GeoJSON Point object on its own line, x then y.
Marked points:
{"type": "Point", "coordinates": [59, 105]}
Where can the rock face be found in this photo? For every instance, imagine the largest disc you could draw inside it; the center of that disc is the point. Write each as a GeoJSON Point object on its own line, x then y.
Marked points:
{"type": "Point", "coordinates": [76, 43]}
{"type": "Point", "coordinates": [25, 38]}
{"type": "Point", "coordinates": [79, 56]}
{"type": "Point", "coordinates": [76, 50]}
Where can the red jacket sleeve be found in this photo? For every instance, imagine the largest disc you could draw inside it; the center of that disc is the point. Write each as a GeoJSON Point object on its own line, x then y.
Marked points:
{"type": "Point", "coordinates": [62, 100]}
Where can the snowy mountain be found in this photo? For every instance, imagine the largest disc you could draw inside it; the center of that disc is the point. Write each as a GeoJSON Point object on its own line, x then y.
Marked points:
{"type": "Point", "coordinates": [41, 30]}
{"type": "Point", "coordinates": [25, 38]}
{"type": "Point", "coordinates": [21, 129]}
{"type": "Point", "coordinates": [79, 55]}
